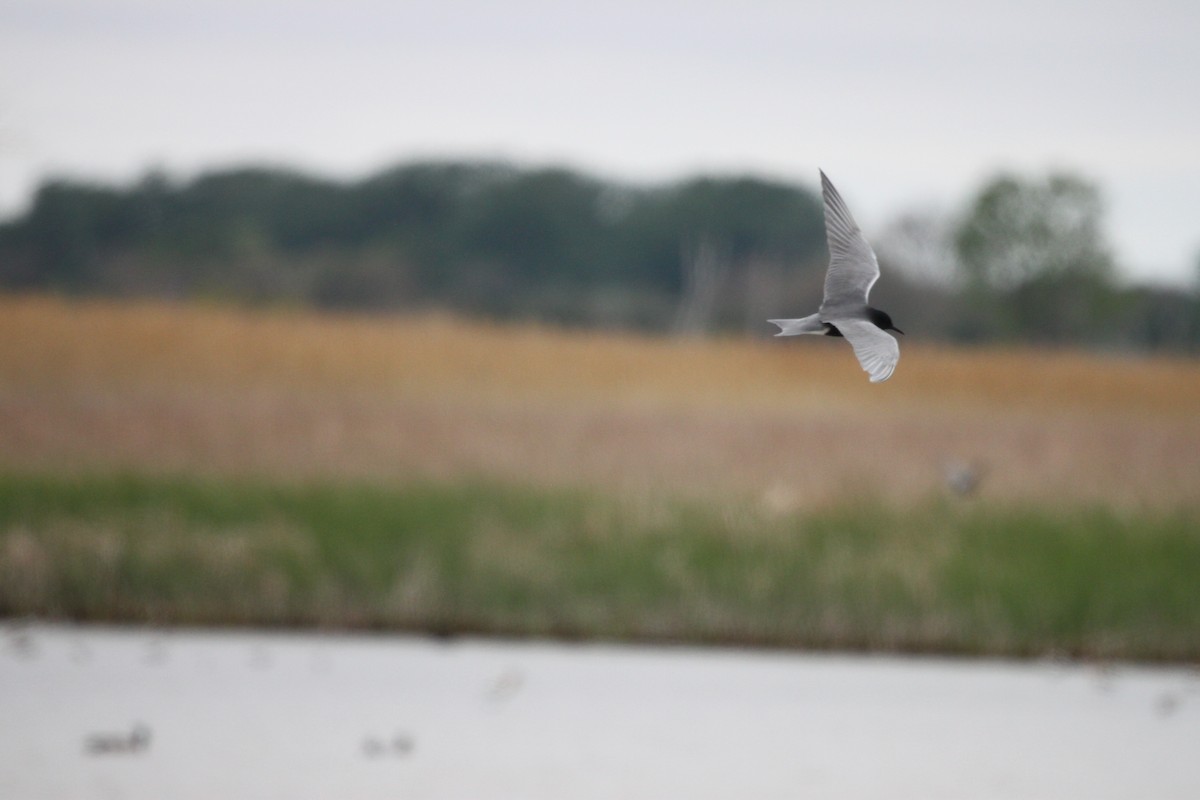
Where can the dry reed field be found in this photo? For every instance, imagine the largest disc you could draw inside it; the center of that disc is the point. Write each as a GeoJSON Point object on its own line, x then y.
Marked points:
{"type": "Point", "coordinates": [170, 389]}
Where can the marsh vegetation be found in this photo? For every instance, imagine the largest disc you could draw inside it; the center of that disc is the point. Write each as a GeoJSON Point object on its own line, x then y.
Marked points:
{"type": "Point", "coordinates": [209, 466]}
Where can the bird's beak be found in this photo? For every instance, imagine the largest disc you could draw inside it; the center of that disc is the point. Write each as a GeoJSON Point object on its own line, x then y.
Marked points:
{"type": "Point", "coordinates": [897, 330]}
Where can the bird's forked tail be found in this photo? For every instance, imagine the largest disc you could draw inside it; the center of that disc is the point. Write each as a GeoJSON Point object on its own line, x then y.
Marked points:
{"type": "Point", "coordinates": [794, 327]}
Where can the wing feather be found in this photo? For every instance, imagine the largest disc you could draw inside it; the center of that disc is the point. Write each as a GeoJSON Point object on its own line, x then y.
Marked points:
{"type": "Point", "coordinates": [877, 350]}
{"type": "Point", "coordinates": [853, 268]}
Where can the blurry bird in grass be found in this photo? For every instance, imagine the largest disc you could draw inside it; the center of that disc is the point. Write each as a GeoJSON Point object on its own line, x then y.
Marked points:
{"type": "Point", "coordinates": [963, 477]}
{"type": "Point", "coordinates": [844, 312]}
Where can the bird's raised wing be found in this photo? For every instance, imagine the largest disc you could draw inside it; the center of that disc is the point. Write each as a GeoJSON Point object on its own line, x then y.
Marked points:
{"type": "Point", "coordinates": [877, 350]}
{"type": "Point", "coordinates": [853, 269]}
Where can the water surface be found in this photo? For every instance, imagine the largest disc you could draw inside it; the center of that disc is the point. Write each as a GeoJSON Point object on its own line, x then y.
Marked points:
{"type": "Point", "coordinates": [247, 715]}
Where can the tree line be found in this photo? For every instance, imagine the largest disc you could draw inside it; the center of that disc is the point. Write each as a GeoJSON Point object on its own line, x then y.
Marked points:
{"type": "Point", "coordinates": [1026, 260]}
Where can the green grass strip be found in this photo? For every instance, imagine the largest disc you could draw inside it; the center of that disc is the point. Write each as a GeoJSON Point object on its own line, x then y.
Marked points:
{"type": "Point", "coordinates": [476, 556]}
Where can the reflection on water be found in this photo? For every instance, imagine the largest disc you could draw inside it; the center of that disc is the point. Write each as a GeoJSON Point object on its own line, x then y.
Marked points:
{"type": "Point", "coordinates": [98, 712]}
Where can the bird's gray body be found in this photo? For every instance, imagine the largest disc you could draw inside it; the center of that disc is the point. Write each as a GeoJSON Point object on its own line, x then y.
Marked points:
{"type": "Point", "coordinates": [852, 272]}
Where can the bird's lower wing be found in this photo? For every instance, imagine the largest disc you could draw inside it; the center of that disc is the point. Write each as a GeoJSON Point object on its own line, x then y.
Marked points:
{"type": "Point", "coordinates": [877, 350]}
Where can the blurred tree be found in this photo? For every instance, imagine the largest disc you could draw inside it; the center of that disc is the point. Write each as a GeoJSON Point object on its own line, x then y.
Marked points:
{"type": "Point", "coordinates": [421, 209]}
{"type": "Point", "coordinates": [1159, 318]}
{"type": "Point", "coordinates": [1026, 259]}
{"type": "Point", "coordinates": [1033, 260]}
{"type": "Point", "coordinates": [742, 218]}
{"type": "Point", "coordinates": [277, 209]}
{"type": "Point", "coordinates": [542, 225]}
{"type": "Point", "coordinates": [482, 237]}
{"type": "Point", "coordinates": [65, 229]}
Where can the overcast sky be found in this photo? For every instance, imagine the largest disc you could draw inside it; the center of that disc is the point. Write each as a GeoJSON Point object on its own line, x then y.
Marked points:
{"type": "Point", "coordinates": [910, 104]}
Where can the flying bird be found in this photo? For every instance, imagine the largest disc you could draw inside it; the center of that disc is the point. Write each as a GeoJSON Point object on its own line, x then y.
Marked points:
{"type": "Point", "coordinates": [844, 312]}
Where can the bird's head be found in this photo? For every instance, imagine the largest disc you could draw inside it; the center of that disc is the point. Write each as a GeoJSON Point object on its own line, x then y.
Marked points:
{"type": "Point", "coordinates": [883, 320]}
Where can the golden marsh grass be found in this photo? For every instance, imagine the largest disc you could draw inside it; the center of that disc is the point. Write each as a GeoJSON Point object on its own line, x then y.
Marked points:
{"type": "Point", "coordinates": [87, 386]}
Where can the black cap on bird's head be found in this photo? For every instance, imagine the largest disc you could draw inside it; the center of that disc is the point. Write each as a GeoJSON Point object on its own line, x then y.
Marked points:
{"type": "Point", "coordinates": [883, 320]}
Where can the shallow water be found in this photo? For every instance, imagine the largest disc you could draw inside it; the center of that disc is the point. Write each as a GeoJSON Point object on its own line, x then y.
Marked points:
{"type": "Point", "coordinates": [246, 715]}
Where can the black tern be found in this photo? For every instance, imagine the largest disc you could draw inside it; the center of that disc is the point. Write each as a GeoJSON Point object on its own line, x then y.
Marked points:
{"type": "Point", "coordinates": [853, 270]}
